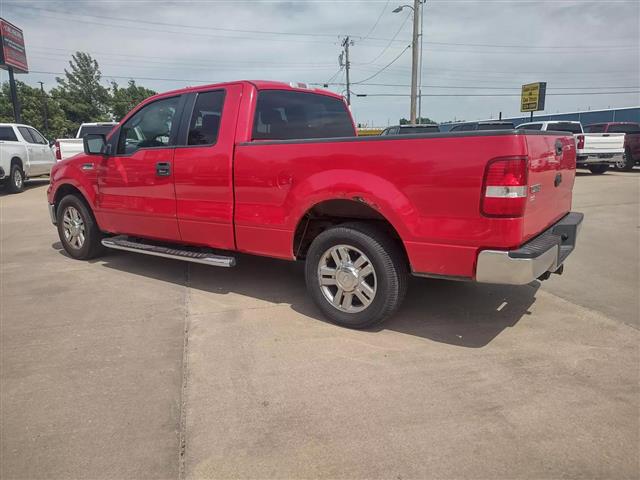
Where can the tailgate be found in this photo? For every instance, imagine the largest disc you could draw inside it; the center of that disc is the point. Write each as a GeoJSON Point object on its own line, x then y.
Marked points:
{"type": "Point", "coordinates": [552, 164]}
{"type": "Point", "coordinates": [596, 143]}
{"type": "Point", "coordinates": [70, 147]}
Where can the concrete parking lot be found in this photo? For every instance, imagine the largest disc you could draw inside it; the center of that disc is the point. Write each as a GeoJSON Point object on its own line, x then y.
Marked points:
{"type": "Point", "coordinates": [139, 367]}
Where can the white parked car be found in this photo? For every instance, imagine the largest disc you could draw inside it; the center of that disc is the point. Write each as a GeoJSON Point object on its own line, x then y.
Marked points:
{"type": "Point", "coordinates": [594, 151]}
{"type": "Point", "coordinates": [68, 147]}
{"type": "Point", "coordinates": [24, 153]}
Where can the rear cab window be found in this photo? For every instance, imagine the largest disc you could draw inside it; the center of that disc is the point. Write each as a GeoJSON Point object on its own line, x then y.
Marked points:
{"type": "Point", "coordinates": [565, 127]}
{"type": "Point", "coordinates": [7, 134]}
{"type": "Point", "coordinates": [94, 129]}
{"type": "Point", "coordinates": [594, 129]}
{"type": "Point", "coordinates": [531, 126]}
{"type": "Point", "coordinates": [421, 129]}
{"type": "Point", "coordinates": [625, 128]}
{"type": "Point", "coordinates": [293, 115]}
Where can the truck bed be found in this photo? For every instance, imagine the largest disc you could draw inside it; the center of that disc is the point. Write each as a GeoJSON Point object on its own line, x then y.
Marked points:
{"type": "Point", "coordinates": [428, 186]}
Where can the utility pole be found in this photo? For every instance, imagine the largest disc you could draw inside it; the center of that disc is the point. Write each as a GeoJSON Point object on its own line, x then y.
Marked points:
{"type": "Point", "coordinates": [45, 109]}
{"type": "Point", "coordinates": [415, 59]}
{"type": "Point", "coordinates": [14, 96]}
{"type": "Point", "coordinates": [345, 44]}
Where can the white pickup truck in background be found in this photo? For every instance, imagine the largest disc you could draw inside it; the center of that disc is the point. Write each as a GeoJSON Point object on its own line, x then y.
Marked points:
{"type": "Point", "coordinates": [594, 151]}
{"type": "Point", "coordinates": [24, 153]}
{"type": "Point", "coordinates": [68, 147]}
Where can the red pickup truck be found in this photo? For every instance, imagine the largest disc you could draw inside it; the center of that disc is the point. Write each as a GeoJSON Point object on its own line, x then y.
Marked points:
{"type": "Point", "coordinates": [631, 132]}
{"type": "Point", "coordinates": [273, 169]}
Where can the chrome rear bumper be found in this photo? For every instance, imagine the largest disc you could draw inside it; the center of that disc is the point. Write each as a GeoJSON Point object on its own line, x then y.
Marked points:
{"type": "Point", "coordinates": [545, 253]}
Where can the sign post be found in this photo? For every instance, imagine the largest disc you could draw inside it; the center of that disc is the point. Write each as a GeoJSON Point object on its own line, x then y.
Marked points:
{"type": "Point", "coordinates": [533, 97]}
{"type": "Point", "coordinates": [13, 57]}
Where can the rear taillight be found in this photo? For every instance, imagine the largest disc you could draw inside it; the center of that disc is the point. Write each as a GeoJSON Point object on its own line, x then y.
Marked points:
{"type": "Point", "coordinates": [56, 149]}
{"type": "Point", "coordinates": [580, 141]}
{"type": "Point", "coordinates": [504, 192]}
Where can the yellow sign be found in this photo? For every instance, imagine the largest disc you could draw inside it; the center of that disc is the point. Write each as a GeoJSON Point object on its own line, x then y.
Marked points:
{"type": "Point", "coordinates": [532, 98]}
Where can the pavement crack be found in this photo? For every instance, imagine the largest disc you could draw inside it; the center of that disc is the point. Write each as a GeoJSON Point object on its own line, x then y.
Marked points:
{"type": "Point", "coordinates": [182, 448]}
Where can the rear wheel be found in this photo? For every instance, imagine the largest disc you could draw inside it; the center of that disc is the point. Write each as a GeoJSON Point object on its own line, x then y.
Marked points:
{"type": "Point", "coordinates": [356, 274]}
{"type": "Point", "coordinates": [15, 182]}
{"type": "Point", "coordinates": [77, 229]}
{"type": "Point", "coordinates": [626, 163]}
{"type": "Point", "coordinates": [598, 169]}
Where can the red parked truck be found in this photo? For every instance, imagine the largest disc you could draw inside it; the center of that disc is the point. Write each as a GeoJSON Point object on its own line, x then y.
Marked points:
{"type": "Point", "coordinates": [277, 170]}
{"type": "Point", "coordinates": [631, 132]}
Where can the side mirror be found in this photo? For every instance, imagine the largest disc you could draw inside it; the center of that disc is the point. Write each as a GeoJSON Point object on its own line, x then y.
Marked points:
{"type": "Point", "coordinates": [52, 143]}
{"type": "Point", "coordinates": [94, 144]}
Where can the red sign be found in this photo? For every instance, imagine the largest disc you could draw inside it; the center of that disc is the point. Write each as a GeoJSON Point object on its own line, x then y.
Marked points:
{"type": "Point", "coordinates": [12, 52]}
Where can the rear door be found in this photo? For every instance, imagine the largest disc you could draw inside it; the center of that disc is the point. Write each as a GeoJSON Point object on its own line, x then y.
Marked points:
{"type": "Point", "coordinates": [203, 164]}
{"type": "Point", "coordinates": [45, 158]}
{"type": "Point", "coordinates": [136, 193]}
{"type": "Point", "coordinates": [552, 163]}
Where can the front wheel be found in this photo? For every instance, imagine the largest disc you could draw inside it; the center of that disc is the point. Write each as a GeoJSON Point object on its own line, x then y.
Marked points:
{"type": "Point", "coordinates": [598, 169]}
{"type": "Point", "coordinates": [356, 274]}
{"type": "Point", "coordinates": [77, 229]}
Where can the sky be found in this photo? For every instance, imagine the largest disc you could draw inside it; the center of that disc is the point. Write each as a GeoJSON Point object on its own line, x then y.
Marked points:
{"type": "Point", "coordinates": [476, 53]}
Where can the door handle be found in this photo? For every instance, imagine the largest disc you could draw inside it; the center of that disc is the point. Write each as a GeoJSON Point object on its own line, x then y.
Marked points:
{"type": "Point", "coordinates": [163, 169]}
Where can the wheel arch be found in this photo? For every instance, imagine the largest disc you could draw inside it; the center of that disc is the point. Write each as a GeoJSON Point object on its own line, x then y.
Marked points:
{"type": "Point", "coordinates": [17, 160]}
{"type": "Point", "coordinates": [335, 211]}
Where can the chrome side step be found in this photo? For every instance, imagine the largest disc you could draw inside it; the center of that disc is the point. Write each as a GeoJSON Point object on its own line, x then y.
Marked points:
{"type": "Point", "coordinates": [129, 245]}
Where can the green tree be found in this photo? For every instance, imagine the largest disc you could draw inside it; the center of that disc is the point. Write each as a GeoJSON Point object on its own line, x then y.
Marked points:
{"type": "Point", "coordinates": [420, 120]}
{"type": "Point", "coordinates": [32, 108]}
{"type": "Point", "coordinates": [80, 94]}
{"type": "Point", "coordinates": [124, 99]}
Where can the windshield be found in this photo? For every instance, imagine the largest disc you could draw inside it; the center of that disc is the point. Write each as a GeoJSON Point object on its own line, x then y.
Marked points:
{"type": "Point", "coordinates": [495, 126]}
{"type": "Point", "coordinates": [565, 127]}
{"type": "Point", "coordinates": [87, 129]}
{"type": "Point", "coordinates": [420, 129]}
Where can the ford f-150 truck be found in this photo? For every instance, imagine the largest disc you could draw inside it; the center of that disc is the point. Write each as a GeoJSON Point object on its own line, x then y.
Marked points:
{"type": "Point", "coordinates": [273, 169]}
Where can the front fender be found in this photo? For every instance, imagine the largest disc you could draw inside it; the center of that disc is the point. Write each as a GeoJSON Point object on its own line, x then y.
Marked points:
{"type": "Point", "coordinates": [67, 173]}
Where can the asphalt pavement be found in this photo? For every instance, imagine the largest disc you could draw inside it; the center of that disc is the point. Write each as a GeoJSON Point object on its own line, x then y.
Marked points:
{"type": "Point", "coordinates": [140, 367]}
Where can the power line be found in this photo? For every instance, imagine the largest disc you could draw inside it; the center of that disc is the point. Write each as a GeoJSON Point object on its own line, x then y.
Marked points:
{"type": "Point", "coordinates": [384, 50]}
{"type": "Point", "coordinates": [490, 94]}
{"type": "Point", "coordinates": [385, 67]}
{"type": "Point", "coordinates": [315, 34]}
{"type": "Point", "coordinates": [472, 87]}
{"type": "Point", "coordinates": [384, 9]}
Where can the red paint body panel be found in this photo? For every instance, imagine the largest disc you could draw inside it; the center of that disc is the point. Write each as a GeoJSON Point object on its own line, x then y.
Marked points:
{"type": "Point", "coordinates": [204, 183]}
{"type": "Point", "coordinates": [251, 196]}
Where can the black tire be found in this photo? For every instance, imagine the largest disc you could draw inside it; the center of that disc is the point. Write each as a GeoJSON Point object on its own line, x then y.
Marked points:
{"type": "Point", "coordinates": [15, 184]}
{"type": "Point", "coordinates": [627, 162]}
{"type": "Point", "coordinates": [91, 247]}
{"type": "Point", "coordinates": [385, 256]}
{"type": "Point", "coordinates": [598, 169]}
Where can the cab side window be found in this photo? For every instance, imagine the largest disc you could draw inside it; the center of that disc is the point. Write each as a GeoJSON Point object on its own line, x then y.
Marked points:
{"type": "Point", "coordinates": [149, 127]}
{"type": "Point", "coordinates": [26, 134]}
{"type": "Point", "coordinates": [37, 136]}
{"type": "Point", "coordinates": [205, 119]}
